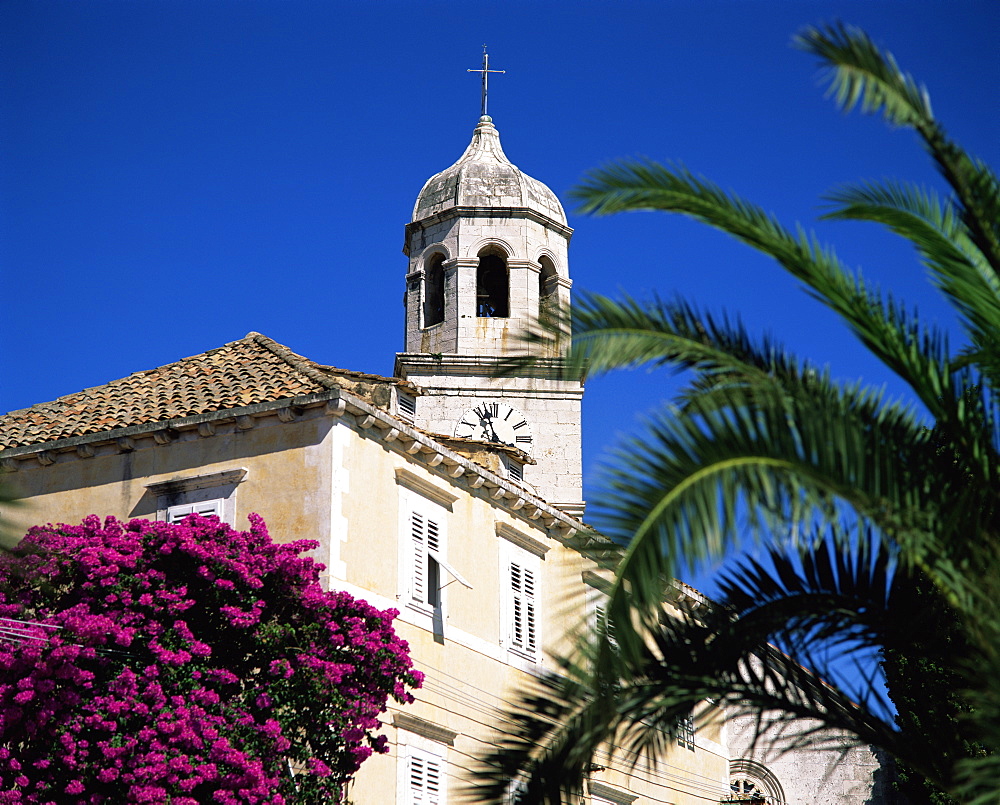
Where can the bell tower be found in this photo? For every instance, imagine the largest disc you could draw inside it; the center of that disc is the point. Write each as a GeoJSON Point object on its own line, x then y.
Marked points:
{"type": "Point", "coordinates": [487, 248]}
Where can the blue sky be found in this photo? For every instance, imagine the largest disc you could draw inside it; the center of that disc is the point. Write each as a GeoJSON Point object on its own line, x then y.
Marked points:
{"type": "Point", "coordinates": [177, 174]}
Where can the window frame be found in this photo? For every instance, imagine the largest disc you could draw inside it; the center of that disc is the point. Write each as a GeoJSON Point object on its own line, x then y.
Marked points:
{"type": "Point", "coordinates": [548, 287]}
{"type": "Point", "coordinates": [216, 491]}
{"type": "Point", "coordinates": [422, 556]}
{"type": "Point", "coordinates": [686, 732]}
{"type": "Point", "coordinates": [492, 285]}
{"type": "Point", "coordinates": [422, 566]}
{"type": "Point", "coordinates": [520, 609]}
{"type": "Point", "coordinates": [597, 588]}
{"type": "Point", "coordinates": [433, 759]}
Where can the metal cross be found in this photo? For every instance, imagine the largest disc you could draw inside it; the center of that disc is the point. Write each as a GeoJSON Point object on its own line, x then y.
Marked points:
{"type": "Point", "coordinates": [485, 71]}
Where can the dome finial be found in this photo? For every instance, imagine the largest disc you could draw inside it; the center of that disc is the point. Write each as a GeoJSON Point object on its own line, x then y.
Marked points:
{"type": "Point", "coordinates": [485, 71]}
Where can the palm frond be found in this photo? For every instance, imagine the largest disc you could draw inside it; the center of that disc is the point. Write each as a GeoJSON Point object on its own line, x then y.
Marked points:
{"type": "Point", "coordinates": [916, 353]}
{"type": "Point", "coordinates": [857, 495]}
{"type": "Point", "coordinates": [968, 281]}
{"type": "Point", "coordinates": [629, 706]}
{"type": "Point", "coordinates": [859, 73]}
{"type": "Point", "coordinates": [700, 481]}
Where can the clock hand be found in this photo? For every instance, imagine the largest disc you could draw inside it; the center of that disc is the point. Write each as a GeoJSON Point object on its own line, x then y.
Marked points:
{"type": "Point", "coordinates": [493, 430]}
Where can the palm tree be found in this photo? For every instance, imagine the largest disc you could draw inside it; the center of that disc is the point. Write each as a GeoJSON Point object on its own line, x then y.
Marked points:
{"type": "Point", "coordinates": [857, 498]}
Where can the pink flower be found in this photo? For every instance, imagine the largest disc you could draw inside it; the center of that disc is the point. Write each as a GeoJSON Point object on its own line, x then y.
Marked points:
{"type": "Point", "coordinates": [143, 688]}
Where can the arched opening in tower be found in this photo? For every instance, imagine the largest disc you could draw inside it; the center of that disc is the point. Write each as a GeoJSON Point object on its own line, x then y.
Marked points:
{"type": "Point", "coordinates": [548, 285]}
{"type": "Point", "coordinates": [434, 291]}
{"type": "Point", "coordinates": [492, 286]}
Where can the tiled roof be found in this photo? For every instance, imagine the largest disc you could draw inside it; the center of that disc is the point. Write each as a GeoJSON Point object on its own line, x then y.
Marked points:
{"type": "Point", "coordinates": [252, 370]}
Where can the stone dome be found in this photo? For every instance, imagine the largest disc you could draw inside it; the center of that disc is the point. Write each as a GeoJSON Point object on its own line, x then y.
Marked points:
{"type": "Point", "coordinates": [484, 177]}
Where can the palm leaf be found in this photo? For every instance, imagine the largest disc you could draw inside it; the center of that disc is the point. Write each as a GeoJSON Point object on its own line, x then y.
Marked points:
{"type": "Point", "coordinates": [917, 354]}
{"type": "Point", "coordinates": [968, 281]}
{"type": "Point", "coordinates": [629, 704]}
{"type": "Point", "coordinates": [859, 74]}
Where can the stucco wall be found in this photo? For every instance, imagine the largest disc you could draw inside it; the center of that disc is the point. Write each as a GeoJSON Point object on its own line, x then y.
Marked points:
{"type": "Point", "coordinates": [287, 479]}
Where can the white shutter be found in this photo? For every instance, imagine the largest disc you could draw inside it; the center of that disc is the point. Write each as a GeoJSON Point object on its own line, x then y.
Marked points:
{"type": "Point", "coordinates": [424, 780]}
{"type": "Point", "coordinates": [523, 623]}
{"type": "Point", "coordinates": [425, 539]}
{"type": "Point", "coordinates": [206, 508]}
{"type": "Point", "coordinates": [418, 558]}
{"type": "Point", "coordinates": [605, 626]}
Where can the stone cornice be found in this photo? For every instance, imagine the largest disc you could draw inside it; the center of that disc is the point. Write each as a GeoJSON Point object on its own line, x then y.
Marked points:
{"type": "Point", "coordinates": [455, 469]}
{"type": "Point", "coordinates": [488, 212]}
{"type": "Point", "coordinates": [612, 794]}
{"type": "Point", "coordinates": [198, 482]}
{"type": "Point", "coordinates": [479, 365]}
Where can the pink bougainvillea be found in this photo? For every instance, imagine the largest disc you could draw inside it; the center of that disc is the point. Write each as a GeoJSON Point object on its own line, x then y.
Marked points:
{"type": "Point", "coordinates": [188, 664]}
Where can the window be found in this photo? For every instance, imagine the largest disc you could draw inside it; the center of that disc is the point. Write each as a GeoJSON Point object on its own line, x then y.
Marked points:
{"type": "Point", "coordinates": [597, 589]}
{"type": "Point", "coordinates": [434, 290]}
{"type": "Point", "coordinates": [423, 547]}
{"type": "Point", "coordinates": [406, 405]}
{"type": "Point", "coordinates": [516, 793]}
{"type": "Point", "coordinates": [752, 783]}
{"type": "Point", "coordinates": [524, 627]}
{"type": "Point", "coordinates": [213, 494]}
{"type": "Point", "coordinates": [424, 782]}
{"type": "Point", "coordinates": [206, 508]}
{"type": "Point", "coordinates": [520, 613]}
{"type": "Point", "coordinates": [492, 286]}
{"type": "Point", "coordinates": [426, 546]}
{"type": "Point", "coordinates": [685, 732]}
{"type": "Point", "coordinates": [746, 790]}
{"type": "Point", "coordinates": [515, 469]}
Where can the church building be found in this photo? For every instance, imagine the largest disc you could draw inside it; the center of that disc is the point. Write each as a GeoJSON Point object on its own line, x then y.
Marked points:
{"type": "Point", "coordinates": [451, 492]}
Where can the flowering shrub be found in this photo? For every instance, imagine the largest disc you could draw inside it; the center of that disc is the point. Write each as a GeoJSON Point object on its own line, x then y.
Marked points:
{"type": "Point", "coordinates": [187, 664]}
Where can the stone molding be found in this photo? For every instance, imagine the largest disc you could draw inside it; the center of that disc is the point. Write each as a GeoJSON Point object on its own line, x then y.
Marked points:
{"type": "Point", "coordinates": [419, 484]}
{"type": "Point", "coordinates": [175, 487]}
{"type": "Point", "coordinates": [612, 794]}
{"type": "Point", "coordinates": [424, 728]}
{"type": "Point", "coordinates": [522, 540]}
{"type": "Point", "coordinates": [471, 213]}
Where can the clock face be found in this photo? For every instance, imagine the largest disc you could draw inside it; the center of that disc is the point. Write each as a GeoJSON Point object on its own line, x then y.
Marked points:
{"type": "Point", "coordinates": [496, 422]}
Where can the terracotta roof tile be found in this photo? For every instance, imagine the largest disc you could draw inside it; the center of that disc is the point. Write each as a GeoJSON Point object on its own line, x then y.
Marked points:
{"type": "Point", "coordinates": [252, 370]}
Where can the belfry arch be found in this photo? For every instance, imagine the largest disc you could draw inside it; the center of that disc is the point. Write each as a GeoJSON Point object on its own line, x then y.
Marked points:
{"type": "Point", "coordinates": [492, 284]}
{"type": "Point", "coordinates": [548, 288]}
{"type": "Point", "coordinates": [434, 290]}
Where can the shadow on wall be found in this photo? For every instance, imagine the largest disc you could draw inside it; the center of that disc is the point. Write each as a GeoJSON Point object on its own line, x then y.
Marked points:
{"type": "Point", "coordinates": [883, 782]}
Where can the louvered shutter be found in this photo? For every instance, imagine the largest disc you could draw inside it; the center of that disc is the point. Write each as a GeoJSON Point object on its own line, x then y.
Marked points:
{"type": "Point", "coordinates": [425, 537]}
{"type": "Point", "coordinates": [605, 626]}
{"type": "Point", "coordinates": [523, 625]}
{"type": "Point", "coordinates": [418, 557]}
{"type": "Point", "coordinates": [206, 508]}
{"type": "Point", "coordinates": [425, 780]}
